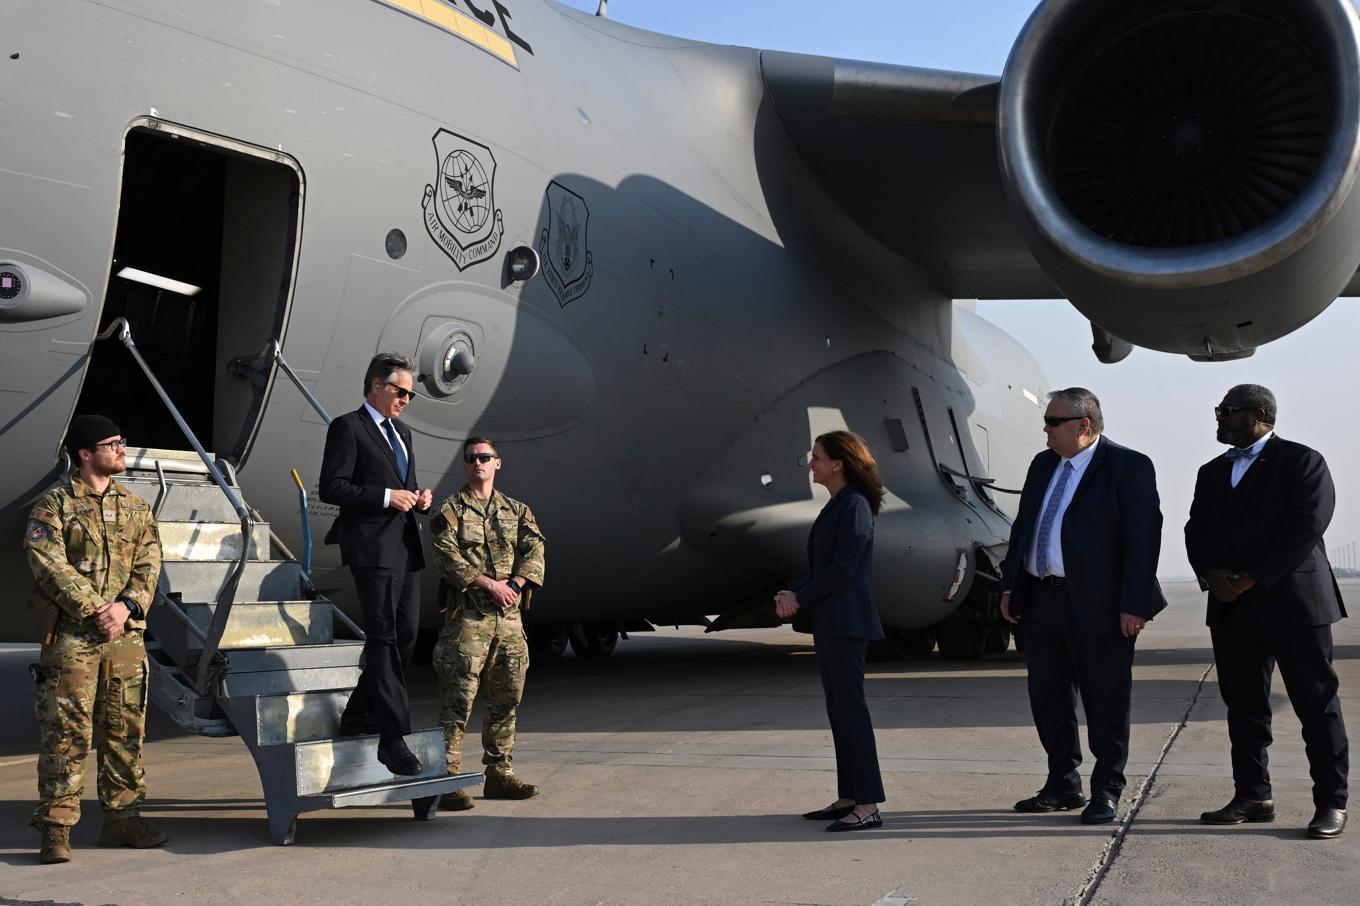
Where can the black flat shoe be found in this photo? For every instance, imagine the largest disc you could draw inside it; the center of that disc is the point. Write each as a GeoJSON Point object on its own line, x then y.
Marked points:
{"type": "Point", "coordinates": [399, 759]}
{"type": "Point", "coordinates": [1327, 823]}
{"type": "Point", "coordinates": [1240, 810]}
{"type": "Point", "coordinates": [1050, 802]}
{"type": "Point", "coordinates": [869, 822]}
{"type": "Point", "coordinates": [830, 813]}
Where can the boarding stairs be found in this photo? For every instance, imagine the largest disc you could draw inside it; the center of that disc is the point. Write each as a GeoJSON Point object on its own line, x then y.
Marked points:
{"type": "Point", "coordinates": [241, 642]}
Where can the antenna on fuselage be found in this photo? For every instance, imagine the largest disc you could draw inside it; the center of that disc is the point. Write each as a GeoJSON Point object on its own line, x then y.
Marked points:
{"type": "Point", "coordinates": [603, 11]}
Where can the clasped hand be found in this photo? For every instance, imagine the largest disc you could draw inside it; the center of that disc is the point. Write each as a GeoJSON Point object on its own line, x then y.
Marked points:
{"type": "Point", "coordinates": [405, 501]}
{"type": "Point", "coordinates": [111, 619]}
{"type": "Point", "coordinates": [785, 604]}
{"type": "Point", "coordinates": [1227, 585]}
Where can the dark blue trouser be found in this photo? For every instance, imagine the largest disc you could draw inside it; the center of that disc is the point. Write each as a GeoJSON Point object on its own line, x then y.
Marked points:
{"type": "Point", "coordinates": [391, 602]}
{"type": "Point", "coordinates": [1064, 660]}
{"type": "Point", "coordinates": [1245, 657]}
{"type": "Point", "coordinates": [841, 662]}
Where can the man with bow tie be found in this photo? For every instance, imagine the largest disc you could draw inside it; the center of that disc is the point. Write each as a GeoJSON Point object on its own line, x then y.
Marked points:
{"type": "Point", "coordinates": [1255, 540]}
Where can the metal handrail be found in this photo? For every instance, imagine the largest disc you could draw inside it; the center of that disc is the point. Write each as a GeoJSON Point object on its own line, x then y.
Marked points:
{"type": "Point", "coordinates": [273, 348]}
{"type": "Point", "coordinates": [227, 595]}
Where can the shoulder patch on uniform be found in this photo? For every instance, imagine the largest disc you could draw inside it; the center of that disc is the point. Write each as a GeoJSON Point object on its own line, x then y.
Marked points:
{"type": "Point", "coordinates": [37, 531]}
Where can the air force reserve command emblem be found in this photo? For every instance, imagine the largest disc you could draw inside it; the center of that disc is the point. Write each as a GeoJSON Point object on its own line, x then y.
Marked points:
{"type": "Point", "coordinates": [460, 208]}
{"type": "Point", "coordinates": [562, 245]}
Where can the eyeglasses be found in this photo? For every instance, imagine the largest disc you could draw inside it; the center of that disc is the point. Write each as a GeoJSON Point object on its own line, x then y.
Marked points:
{"type": "Point", "coordinates": [1225, 411]}
{"type": "Point", "coordinates": [1054, 421]}
{"type": "Point", "coordinates": [119, 444]}
{"type": "Point", "coordinates": [402, 392]}
{"type": "Point", "coordinates": [479, 457]}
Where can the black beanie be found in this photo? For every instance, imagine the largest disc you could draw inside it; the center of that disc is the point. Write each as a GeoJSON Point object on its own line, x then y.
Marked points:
{"type": "Point", "coordinates": [88, 430]}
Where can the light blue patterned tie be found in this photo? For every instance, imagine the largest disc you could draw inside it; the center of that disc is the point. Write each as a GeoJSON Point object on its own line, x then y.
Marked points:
{"type": "Point", "coordinates": [1050, 516]}
{"type": "Point", "coordinates": [396, 447]}
{"type": "Point", "coordinates": [1247, 453]}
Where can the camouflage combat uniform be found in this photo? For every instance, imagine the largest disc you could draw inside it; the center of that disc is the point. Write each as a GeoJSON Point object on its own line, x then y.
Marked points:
{"type": "Point", "coordinates": [480, 643]}
{"type": "Point", "coordinates": [86, 550]}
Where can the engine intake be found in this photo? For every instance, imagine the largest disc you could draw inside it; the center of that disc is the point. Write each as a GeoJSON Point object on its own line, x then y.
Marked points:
{"type": "Point", "coordinates": [1184, 169]}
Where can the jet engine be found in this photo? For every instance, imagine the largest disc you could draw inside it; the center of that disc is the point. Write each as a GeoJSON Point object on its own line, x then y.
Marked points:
{"type": "Point", "coordinates": [1185, 170]}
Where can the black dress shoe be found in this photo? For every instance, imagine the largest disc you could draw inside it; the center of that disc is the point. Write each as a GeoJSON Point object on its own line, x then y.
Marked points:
{"type": "Point", "coordinates": [1051, 802]}
{"type": "Point", "coordinates": [398, 758]}
{"type": "Point", "coordinates": [1240, 810]}
{"type": "Point", "coordinates": [1099, 811]}
{"type": "Point", "coordinates": [831, 813]}
{"type": "Point", "coordinates": [868, 822]}
{"type": "Point", "coordinates": [1327, 822]}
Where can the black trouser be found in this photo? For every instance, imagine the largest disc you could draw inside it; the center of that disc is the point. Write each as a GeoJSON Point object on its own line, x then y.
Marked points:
{"type": "Point", "coordinates": [1246, 657]}
{"type": "Point", "coordinates": [391, 602]}
{"type": "Point", "coordinates": [1064, 660]}
{"type": "Point", "coordinates": [842, 665]}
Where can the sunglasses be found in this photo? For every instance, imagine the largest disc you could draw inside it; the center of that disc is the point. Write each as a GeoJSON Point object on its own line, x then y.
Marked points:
{"type": "Point", "coordinates": [119, 444]}
{"type": "Point", "coordinates": [479, 457]}
{"type": "Point", "coordinates": [402, 392]}
{"type": "Point", "coordinates": [1054, 421]}
{"type": "Point", "coordinates": [1225, 411]}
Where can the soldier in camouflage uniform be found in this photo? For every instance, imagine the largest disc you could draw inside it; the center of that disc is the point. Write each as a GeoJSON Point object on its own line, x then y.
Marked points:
{"type": "Point", "coordinates": [95, 552]}
{"type": "Point", "coordinates": [490, 553]}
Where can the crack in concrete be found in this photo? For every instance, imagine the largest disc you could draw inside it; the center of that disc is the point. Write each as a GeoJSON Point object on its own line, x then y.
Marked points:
{"type": "Point", "coordinates": [1087, 891]}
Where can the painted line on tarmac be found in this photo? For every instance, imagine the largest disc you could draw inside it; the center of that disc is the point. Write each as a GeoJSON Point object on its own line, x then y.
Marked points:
{"type": "Point", "coordinates": [9, 764]}
{"type": "Point", "coordinates": [1088, 890]}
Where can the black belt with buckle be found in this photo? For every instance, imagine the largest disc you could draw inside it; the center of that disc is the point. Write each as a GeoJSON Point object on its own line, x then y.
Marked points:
{"type": "Point", "coordinates": [1055, 581]}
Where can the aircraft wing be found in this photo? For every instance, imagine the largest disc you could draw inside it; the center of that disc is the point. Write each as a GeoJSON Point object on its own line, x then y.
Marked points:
{"type": "Point", "coordinates": [912, 155]}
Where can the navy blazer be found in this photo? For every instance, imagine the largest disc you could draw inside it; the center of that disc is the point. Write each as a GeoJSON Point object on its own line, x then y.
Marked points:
{"type": "Point", "coordinates": [837, 592]}
{"type": "Point", "coordinates": [1111, 538]}
{"type": "Point", "coordinates": [1270, 526]}
{"type": "Point", "coordinates": [356, 468]}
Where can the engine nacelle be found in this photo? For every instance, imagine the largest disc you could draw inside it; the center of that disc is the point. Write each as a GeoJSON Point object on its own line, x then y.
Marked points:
{"type": "Point", "coordinates": [1185, 170]}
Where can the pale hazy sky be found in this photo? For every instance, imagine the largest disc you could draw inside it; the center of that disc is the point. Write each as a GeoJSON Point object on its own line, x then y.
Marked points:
{"type": "Point", "coordinates": [1157, 403]}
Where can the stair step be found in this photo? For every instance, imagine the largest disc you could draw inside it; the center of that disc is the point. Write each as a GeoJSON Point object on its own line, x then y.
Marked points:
{"type": "Point", "coordinates": [253, 624]}
{"type": "Point", "coordinates": [299, 716]}
{"type": "Point", "coordinates": [200, 581]}
{"type": "Point", "coordinates": [331, 765]}
{"type": "Point", "coordinates": [302, 657]}
{"type": "Point", "coordinates": [282, 682]}
{"type": "Point", "coordinates": [384, 793]}
{"type": "Point", "coordinates": [211, 540]}
{"type": "Point", "coordinates": [184, 501]}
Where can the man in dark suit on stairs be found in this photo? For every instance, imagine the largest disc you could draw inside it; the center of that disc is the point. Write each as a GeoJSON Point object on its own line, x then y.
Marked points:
{"type": "Point", "coordinates": [1255, 541]}
{"type": "Point", "coordinates": [369, 472]}
{"type": "Point", "coordinates": [1081, 573]}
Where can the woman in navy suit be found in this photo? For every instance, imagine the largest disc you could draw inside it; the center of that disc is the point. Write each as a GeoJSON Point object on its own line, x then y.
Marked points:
{"type": "Point", "coordinates": [840, 604]}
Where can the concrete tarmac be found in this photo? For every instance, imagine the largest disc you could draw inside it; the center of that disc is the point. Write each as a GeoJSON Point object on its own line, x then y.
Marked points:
{"type": "Point", "coordinates": [675, 772]}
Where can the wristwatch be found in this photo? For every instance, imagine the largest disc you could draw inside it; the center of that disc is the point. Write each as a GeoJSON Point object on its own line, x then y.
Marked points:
{"type": "Point", "coordinates": [134, 609]}
{"type": "Point", "coordinates": [515, 585]}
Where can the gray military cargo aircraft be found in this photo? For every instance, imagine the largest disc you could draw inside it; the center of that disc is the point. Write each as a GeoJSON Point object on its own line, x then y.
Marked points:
{"type": "Point", "coordinates": [652, 269]}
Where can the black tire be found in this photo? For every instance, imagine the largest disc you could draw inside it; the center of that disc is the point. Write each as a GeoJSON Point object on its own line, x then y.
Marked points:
{"type": "Point", "coordinates": [886, 649]}
{"type": "Point", "coordinates": [959, 640]}
{"type": "Point", "coordinates": [547, 640]}
{"type": "Point", "coordinates": [996, 638]}
{"type": "Point", "coordinates": [918, 642]}
{"type": "Point", "coordinates": [593, 639]}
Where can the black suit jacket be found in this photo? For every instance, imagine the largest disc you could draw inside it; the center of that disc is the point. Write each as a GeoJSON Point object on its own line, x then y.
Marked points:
{"type": "Point", "coordinates": [1111, 537]}
{"type": "Point", "coordinates": [837, 592]}
{"type": "Point", "coordinates": [357, 467]}
{"type": "Point", "coordinates": [1270, 527]}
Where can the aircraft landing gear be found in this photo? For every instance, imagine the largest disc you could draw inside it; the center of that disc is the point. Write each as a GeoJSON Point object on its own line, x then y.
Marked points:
{"type": "Point", "coordinates": [593, 639]}
{"type": "Point", "coordinates": [546, 640]}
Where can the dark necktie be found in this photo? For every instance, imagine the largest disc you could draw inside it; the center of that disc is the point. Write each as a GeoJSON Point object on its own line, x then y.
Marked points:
{"type": "Point", "coordinates": [396, 448]}
{"type": "Point", "coordinates": [1050, 516]}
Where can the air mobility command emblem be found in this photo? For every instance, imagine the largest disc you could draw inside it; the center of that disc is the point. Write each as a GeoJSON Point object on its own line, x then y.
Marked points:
{"type": "Point", "coordinates": [562, 245]}
{"type": "Point", "coordinates": [460, 207]}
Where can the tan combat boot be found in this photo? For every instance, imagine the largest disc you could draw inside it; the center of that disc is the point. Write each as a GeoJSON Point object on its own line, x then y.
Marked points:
{"type": "Point", "coordinates": [56, 843]}
{"type": "Point", "coordinates": [507, 786]}
{"type": "Point", "coordinates": [457, 801]}
{"type": "Point", "coordinates": [132, 831]}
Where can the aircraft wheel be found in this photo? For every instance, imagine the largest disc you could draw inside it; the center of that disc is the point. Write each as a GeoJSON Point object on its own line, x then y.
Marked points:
{"type": "Point", "coordinates": [547, 640]}
{"type": "Point", "coordinates": [996, 638]}
{"type": "Point", "coordinates": [888, 648]}
{"type": "Point", "coordinates": [593, 639]}
{"type": "Point", "coordinates": [918, 642]}
{"type": "Point", "coordinates": [959, 639]}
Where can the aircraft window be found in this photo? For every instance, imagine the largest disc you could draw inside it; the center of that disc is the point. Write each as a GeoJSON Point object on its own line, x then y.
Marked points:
{"type": "Point", "coordinates": [396, 244]}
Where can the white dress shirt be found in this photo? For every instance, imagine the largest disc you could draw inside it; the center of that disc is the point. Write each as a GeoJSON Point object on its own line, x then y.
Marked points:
{"type": "Point", "coordinates": [378, 419]}
{"type": "Point", "coordinates": [1055, 557]}
{"type": "Point", "coordinates": [1241, 464]}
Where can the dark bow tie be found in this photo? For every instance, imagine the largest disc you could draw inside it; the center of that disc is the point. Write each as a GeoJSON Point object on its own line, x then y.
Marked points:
{"type": "Point", "coordinates": [1247, 453]}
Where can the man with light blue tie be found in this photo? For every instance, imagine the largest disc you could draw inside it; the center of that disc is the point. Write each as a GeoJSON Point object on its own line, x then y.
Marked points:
{"type": "Point", "coordinates": [1254, 539]}
{"type": "Point", "coordinates": [1080, 577]}
{"type": "Point", "coordinates": [369, 471]}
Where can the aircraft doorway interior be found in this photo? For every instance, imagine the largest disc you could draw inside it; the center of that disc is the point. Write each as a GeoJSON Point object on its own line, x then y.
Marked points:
{"type": "Point", "coordinates": [203, 264]}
